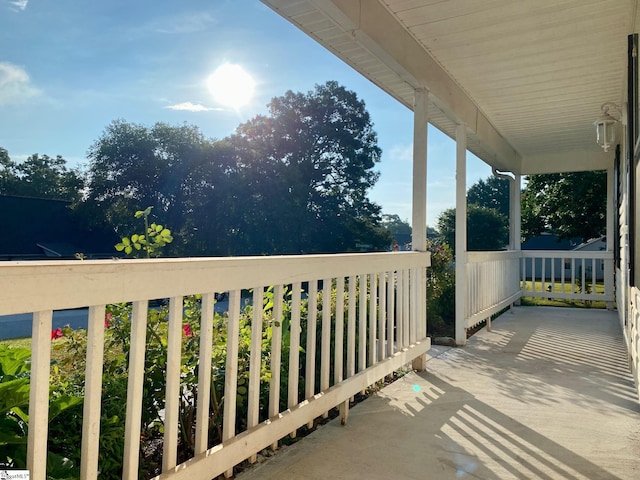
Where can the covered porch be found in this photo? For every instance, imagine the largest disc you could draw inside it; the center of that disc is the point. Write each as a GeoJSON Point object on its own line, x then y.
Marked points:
{"type": "Point", "coordinates": [546, 394]}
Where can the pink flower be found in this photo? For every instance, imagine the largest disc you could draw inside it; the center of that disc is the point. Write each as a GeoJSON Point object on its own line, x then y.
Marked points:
{"type": "Point", "coordinates": [187, 330]}
{"type": "Point", "coordinates": [57, 333]}
{"type": "Point", "coordinates": [107, 319]}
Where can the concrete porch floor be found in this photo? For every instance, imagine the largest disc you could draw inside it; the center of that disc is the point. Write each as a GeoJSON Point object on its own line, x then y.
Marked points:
{"type": "Point", "coordinates": [546, 395]}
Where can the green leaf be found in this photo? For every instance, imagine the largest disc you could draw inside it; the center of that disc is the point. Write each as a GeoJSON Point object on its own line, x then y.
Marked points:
{"type": "Point", "coordinates": [7, 438]}
{"type": "Point", "coordinates": [119, 247]}
{"type": "Point", "coordinates": [61, 468]}
{"type": "Point", "coordinates": [134, 237]}
{"type": "Point", "coordinates": [14, 361]}
{"type": "Point", "coordinates": [60, 404]}
{"type": "Point", "coordinates": [128, 250]}
{"type": "Point", "coordinates": [13, 394]}
{"type": "Point", "coordinates": [143, 213]}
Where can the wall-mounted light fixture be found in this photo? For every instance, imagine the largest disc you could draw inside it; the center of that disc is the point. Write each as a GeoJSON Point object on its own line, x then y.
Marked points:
{"type": "Point", "coordinates": [606, 126]}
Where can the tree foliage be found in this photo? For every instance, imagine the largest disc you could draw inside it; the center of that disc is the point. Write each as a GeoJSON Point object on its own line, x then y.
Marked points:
{"type": "Point", "coordinates": [486, 228]}
{"type": "Point", "coordinates": [567, 204]}
{"type": "Point", "coordinates": [487, 216]}
{"type": "Point", "coordinates": [395, 224]}
{"type": "Point", "coordinates": [293, 181]}
{"type": "Point", "coordinates": [39, 176]}
{"type": "Point", "coordinates": [308, 166]}
{"type": "Point", "coordinates": [491, 193]}
{"type": "Point", "coordinates": [133, 166]}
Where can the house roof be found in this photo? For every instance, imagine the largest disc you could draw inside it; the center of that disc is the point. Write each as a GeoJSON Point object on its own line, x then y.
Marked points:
{"type": "Point", "coordinates": [40, 228]}
{"type": "Point", "coordinates": [527, 79]}
{"type": "Point", "coordinates": [599, 243]}
{"type": "Point", "coordinates": [549, 241]}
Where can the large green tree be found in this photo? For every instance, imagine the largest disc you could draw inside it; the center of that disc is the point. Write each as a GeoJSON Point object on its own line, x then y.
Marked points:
{"type": "Point", "coordinates": [486, 228]}
{"type": "Point", "coordinates": [487, 216]}
{"type": "Point", "coordinates": [293, 181]}
{"type": "Point", "coordinates": [491, 193]}
{"type": "Point", "coordinates": [568, 204]}
{"type": "Point", "coordinates": [39, 176]}
{"type": "Point", "coordinates": [308, 166]}
{"type": "Point", "coordinates": [133, 167]}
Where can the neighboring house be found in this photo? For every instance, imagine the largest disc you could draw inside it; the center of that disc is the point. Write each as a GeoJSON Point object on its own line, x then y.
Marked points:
{"type": "Point", "coordinates": [548, 242]}
{"type": "Point", "coordinates": [38, 229]}
{"type": "Point", "coordinates": [563, 267]}
{"type": "Point", "coordinates": [594, 245]}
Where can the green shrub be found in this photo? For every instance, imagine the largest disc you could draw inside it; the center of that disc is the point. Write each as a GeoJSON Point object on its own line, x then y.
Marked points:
{"type": "Point", "coordinates": [441, 291]}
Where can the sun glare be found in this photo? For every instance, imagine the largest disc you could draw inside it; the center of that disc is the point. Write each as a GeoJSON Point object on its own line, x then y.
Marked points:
{"type": "Point", "coordinates": [231, 85]}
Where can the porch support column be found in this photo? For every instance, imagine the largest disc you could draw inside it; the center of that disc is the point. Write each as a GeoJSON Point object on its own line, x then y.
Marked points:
{"type": "Point", "coordinates": [419, 216]}
{"type": "Point", "coordinates": [609, 283]}
{"type": "Point", "coordinates": [461, 235]}
{"type": "Point", "coordinates": [515, 226]}
{"type": "Point", "coordinates": [515, 217]}
{"type": "Point", "coordinates": [419, 200]}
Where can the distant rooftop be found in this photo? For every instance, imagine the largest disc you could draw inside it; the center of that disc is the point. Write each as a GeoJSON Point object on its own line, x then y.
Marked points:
{"type": "Point", "coordinates": [550, 241]}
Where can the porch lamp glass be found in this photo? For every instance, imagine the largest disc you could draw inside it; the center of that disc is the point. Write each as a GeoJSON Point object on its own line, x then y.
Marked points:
{"type": "Point", "coordinates": [606, 129]}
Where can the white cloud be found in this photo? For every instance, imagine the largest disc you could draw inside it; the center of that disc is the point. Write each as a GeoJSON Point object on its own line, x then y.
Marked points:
{"type": "Point", "coordinates": [191, 107]}
{"type": "Point", "coordinates": [15, 85]}
{"type": "Point", "coordinates": [19, 4]}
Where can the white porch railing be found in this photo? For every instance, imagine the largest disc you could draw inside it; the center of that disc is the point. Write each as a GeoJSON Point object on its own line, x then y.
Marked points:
{"type": "Point", "coordinates": [578, 275]}
{"type": "Point", "coordinates": [492, 284]}
{"type": "Point", "coordinates": [496, 280]}
{"type": "Point", "coordinates": [366, 336]}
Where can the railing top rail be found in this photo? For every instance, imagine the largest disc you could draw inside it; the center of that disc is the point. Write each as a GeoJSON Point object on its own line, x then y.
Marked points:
{"type": "Point", "coordinates": [599, 255]}
{"type": "Point", "coordinates": [55, 285]}
{"type": "Point", "coordinates": [485, 256]}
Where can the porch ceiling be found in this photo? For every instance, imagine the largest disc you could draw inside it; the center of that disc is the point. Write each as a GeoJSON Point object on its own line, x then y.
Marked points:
{"type": "Point", "coordinates": [526, 78]}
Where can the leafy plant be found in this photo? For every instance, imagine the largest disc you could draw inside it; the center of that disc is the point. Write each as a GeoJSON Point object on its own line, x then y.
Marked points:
{"type": "Point", "coordinates": [441, 290]}
{"type": "Point", "coordinates": [15, 369]}
{"type": "Point", "coordinates": [151, 242]}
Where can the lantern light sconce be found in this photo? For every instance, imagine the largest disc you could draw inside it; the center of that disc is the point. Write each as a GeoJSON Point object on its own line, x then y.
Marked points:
{"type": "Point", "coordinates": [606, 126]}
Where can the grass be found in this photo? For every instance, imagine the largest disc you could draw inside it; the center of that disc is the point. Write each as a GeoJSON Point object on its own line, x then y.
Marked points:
{"type": "Point", "coordinates": [17, 342]}
{"type": "Point", "coordinates": [560, 302]}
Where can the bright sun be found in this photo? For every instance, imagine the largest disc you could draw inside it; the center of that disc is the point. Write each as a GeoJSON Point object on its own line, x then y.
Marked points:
{"type": "Point", "coordinates": [231, 85]}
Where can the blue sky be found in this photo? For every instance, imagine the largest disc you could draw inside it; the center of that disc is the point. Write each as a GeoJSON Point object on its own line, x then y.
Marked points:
{"type": "Point", "coordinates": [68, 68]}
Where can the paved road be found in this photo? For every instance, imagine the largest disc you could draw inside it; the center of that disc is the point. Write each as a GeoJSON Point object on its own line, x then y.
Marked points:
{"type": "Point", "coordinates": [18, 326]}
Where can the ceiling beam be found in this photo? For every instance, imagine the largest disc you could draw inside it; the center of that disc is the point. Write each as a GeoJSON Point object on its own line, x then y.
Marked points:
{"type": "Point", "coordinates": [573, 161]}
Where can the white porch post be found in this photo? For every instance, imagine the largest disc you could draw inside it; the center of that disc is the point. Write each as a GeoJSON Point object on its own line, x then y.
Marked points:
{"type": "Point", "coordinates": [611, 218]}
{"type": "Point", "coordinates": [461, 235]}
{"type": "Point", "coordinates": [515, 223]}
{"type": "Point", "coordinates": [419, 200]}
{"type": "Point", "coordinates": [419, 213]}
{"type": "Point", "coordinates": [515, 217]}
